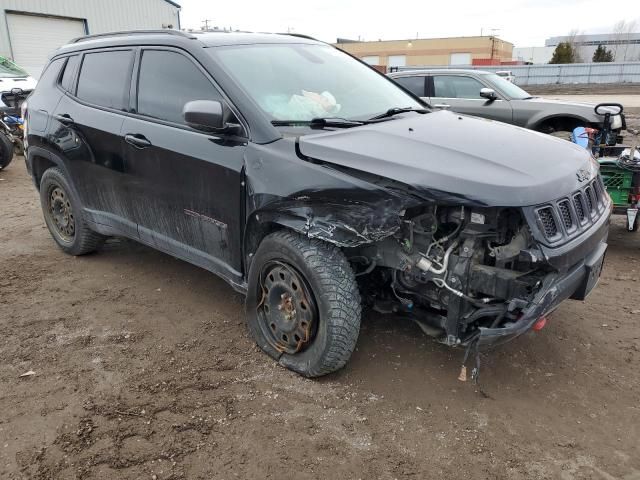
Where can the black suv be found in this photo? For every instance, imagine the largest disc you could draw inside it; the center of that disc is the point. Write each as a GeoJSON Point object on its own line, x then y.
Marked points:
{"type": "Point", "coordinates": [314, 185]}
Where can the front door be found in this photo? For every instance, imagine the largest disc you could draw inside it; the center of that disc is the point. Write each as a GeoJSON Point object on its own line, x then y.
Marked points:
{"type": "Point", "coordinates": [183, 186]}
{"type": "Point", "coordinates": [461, 93]}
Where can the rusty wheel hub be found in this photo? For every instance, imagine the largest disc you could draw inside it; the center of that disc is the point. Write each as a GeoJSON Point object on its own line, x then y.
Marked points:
{"type": "Point", "coordinates": [61, 213]}
{"type": "Point", "coordinates": [287, 310]}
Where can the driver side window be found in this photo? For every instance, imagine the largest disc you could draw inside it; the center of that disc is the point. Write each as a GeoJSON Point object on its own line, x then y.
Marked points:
{"type": "Point", "coordinates": [455, 86]}
{"type": "Point", "coordinates": [167, 81]}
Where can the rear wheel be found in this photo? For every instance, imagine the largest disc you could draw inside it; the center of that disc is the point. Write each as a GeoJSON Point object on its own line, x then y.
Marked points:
{"type": "Point", "coordinates": [6, 151]}
{"type": "Point", "coordinates": [63, 215]}
{"type": "Point", "coordinates": [303, 304]}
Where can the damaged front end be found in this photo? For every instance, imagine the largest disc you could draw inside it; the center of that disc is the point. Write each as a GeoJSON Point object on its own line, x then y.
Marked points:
{"type": "Point", "coordinates": [485, 275]}
{"type": "Point", "coordinates": [476, 269]}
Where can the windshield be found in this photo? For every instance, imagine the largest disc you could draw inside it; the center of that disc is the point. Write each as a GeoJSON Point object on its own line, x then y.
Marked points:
{"type": "Point", "coordinates": [299, 82]}
{"type": "Point", "coordinates": [10, 69]}
{"type": "Point", "coordinates": [511, 90]}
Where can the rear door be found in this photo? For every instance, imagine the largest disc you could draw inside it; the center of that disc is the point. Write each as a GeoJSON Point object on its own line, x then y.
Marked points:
{"type": "Point", "coordinates": [85, 132]}
{"type": "Point", "coordinates": [461, 93]}
{"type": "Point", "coordinates": [183, 185]}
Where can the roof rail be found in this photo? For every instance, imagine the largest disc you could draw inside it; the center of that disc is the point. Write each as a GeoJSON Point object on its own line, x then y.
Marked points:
{"type": "Point", "coordinates": [300, 35]}
{"type": "Point", "coordinates": [167, 31]}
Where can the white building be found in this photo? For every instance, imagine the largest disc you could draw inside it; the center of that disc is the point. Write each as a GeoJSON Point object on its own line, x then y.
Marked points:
{"type": "Point", "coordinates": [625, 47]}
{"type": "Point", "coordinates": [30, 30]}
{"type": "Point", "coordinates": [533, 55]}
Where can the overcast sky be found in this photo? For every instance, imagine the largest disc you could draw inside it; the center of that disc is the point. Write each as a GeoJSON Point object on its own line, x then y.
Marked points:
{"type": "Point", "coordinates": [524, 23]}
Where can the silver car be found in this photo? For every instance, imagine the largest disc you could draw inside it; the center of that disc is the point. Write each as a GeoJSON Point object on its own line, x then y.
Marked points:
{"type": "Point", "coordinates": [485, 94]}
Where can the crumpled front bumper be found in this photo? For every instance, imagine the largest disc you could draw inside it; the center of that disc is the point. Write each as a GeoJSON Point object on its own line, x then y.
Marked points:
{"type": "Point", "coordinates": [576, 282]}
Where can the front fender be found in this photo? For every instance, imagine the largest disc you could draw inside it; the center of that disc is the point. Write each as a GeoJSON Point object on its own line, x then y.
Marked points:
{"type": "Point", "coordinates": [317, 201]}
{"type": "Point", "coordinates": [537, 120]}
{"type": "Point", "coordinates": [343, 223]}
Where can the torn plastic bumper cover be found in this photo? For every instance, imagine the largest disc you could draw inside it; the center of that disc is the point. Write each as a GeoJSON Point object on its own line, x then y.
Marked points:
{"type": "Point", "coordinates": [577, 283]}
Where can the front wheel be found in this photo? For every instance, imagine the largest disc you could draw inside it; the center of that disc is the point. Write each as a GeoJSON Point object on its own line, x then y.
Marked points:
{"type": "Point", "coordinates": [303, 303]}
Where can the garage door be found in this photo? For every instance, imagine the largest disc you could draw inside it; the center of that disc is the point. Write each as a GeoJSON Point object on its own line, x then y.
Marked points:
{"type": "Point", "coordinates": [460, 59]}
{"type": "Point", "coordinates": [33, 38]}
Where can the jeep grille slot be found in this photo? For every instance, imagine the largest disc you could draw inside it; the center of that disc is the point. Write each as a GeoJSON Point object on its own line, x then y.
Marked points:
{"type": "Point", "coordinates": [577, 202]}
{"type": "Point", "coordinates": [565, 213]}
{"type": "Point", "coordinates": [548, 222]}
{"type": "Point", "coordinates": [588, 195]}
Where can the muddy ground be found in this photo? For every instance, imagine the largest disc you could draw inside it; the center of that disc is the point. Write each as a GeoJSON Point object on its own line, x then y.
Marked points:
{"type": "Point", "coordinates": [143, 370]}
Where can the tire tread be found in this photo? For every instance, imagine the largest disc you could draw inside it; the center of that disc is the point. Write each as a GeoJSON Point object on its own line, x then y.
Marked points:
{"type": "Point", "coordinates": [86, 240]}
{"type": "Point", "coordinates": [340, 290]}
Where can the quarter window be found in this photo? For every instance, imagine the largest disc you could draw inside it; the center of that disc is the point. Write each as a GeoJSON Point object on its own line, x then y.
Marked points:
{"type": "Point", "coordinates": [450, 86]}
{"type": "Point", "coordinates": [51, 72]}
{"type": "Point", "coordinates": [415, 84]}
{"type": "Point", "coordinates": [167, 81]}
{"type": "Point", "coordinates": [69, 71]}
{"type": "Point", "coordinates": [104, 78]}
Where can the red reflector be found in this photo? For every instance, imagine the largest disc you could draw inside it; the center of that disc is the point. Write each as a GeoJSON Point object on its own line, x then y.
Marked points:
{"type": "Point", "coordinates": [540, 323]}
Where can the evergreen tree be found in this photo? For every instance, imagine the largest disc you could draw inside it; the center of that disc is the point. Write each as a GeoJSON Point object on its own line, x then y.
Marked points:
{"type": "Point", "coordinates": [564, 53]}
{"type": "Point", "coordinates": [602, 55]}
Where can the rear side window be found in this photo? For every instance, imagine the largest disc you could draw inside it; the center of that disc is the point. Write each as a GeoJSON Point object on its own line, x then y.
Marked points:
{"type": "Point", "coordinates": [69, 71]}
{"type": "Point", "coordinates": [167, 81]}
{"type": "Point", "coordinates": [104, 78]}
{"type": "Point", "coordinates": [415, 84]}
{"type": "Point", "coordinates": [450, 86]}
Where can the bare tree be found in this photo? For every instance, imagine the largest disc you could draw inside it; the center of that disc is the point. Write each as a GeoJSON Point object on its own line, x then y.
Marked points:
{"type": "Point", "coordinates": [618, 34]}
{"type": "Point", "coordinates": [628, 31]}
{"type": "Point", "coordinates": [572, 42]}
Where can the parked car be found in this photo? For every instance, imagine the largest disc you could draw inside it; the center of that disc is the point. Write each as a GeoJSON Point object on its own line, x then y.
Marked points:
{"type": "Point", "coordinates": [15, 86]}
{"type": "Point", "coordinates": [315, 188]}
{"type": "Point", "coordinates": [12, 76]}
{"type": "Point", "coordinates": [485, 94]}
{"type": "Point", "coordinates": [507, 75]}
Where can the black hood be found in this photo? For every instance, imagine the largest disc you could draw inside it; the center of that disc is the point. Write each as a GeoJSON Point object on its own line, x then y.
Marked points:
{"type": "Point", "coordinates": [489, 162]}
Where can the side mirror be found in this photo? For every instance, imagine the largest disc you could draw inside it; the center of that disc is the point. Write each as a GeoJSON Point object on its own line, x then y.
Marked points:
{"type": "Point", "coordinates": [488, 93]}
{"type": "Point", "coordinates": [610, 108]}
{"type": "Point", "coordinates": [17, 91]}
{"type": "Point", "coordinates": [207, 116]}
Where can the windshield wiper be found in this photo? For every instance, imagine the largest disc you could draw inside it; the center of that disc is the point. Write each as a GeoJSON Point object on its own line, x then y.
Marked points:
{"type": "Point", "coordinates": [396, 110]}
{"type": "Point", "coordinates": [320, 122]}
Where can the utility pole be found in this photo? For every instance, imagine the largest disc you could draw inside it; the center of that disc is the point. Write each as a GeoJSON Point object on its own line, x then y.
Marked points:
{"type": "Point", "coordinates": [493, 41]}
{"type": "Point", "coordinates": [206, 25]}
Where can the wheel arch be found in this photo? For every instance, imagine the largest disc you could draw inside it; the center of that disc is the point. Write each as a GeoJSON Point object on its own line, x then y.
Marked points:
{"type": "Point", "coordinates": [558, 120]}
{"type": "Point", "coordinates": [40, 160]}
{"type": "Point", "coordinates": [342, 225]}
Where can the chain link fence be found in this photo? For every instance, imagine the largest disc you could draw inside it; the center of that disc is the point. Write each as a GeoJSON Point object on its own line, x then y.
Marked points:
{"type": "Point", "coordinates": [572, 73]}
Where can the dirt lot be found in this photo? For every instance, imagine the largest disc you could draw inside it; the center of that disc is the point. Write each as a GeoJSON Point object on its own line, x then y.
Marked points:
{"type": "Point", "coordinates": [143, 370]}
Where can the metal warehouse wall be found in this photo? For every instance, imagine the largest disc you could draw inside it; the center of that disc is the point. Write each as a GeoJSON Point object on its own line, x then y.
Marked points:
{"type": "Point", "coordinates": [622, 72]}
{"type": "Point", "coordinates": [100, 15]}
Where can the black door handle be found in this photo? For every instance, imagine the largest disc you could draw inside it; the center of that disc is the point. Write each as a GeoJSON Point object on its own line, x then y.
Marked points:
{"type": "Point", "coordinates": [137, 140]}
{"type": "Point", "coordinates": [64, 118]}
